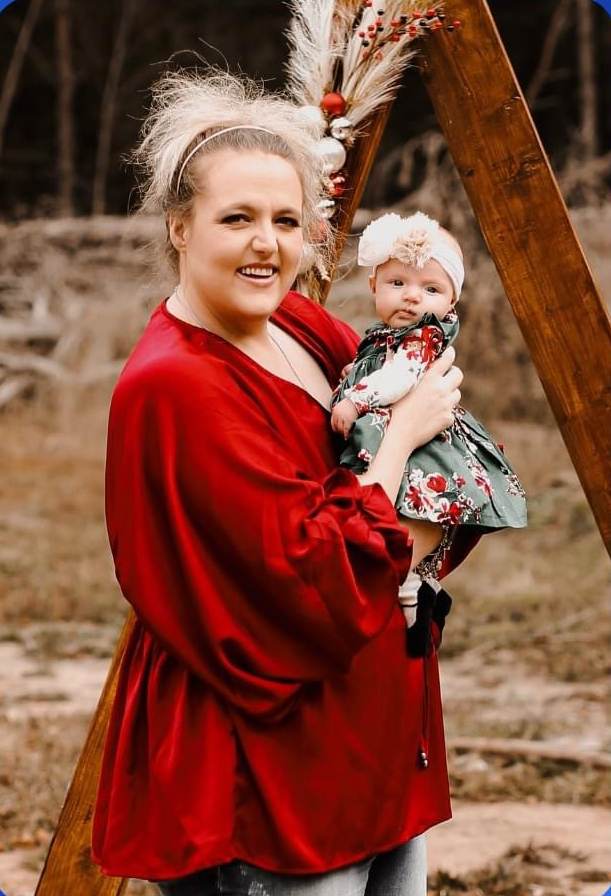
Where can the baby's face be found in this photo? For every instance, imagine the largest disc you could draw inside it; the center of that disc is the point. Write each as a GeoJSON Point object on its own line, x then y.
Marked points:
{"type": "Point", "coordinates": [404, 293]}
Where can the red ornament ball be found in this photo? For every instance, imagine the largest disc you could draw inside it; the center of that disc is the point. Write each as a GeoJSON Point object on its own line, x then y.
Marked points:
{"type": "Point", "coordinates": [333, 104]}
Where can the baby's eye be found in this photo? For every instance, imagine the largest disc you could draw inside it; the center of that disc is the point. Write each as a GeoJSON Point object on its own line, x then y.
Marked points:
{"type": "Point", "coordinates": [433, 289]}
{"type": "Point", "coordinates": [396, 282]}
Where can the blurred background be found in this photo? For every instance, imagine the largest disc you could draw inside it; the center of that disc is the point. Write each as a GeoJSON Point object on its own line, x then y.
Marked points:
{"type": "Point", "coordinates": [526, 659]}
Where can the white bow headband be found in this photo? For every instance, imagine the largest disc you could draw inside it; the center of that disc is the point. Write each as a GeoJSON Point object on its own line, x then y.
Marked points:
{"type": "Point", "coordinates": [414, 240]}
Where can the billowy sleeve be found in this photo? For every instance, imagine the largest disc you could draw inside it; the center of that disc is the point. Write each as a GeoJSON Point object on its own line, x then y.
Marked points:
{"type": "Point", "coordinates": [260, 580]}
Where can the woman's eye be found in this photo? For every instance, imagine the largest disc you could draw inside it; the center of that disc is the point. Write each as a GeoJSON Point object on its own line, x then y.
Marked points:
{"type": "Point", "coordinates": [235, 218]}
{"type": "Point", "coordinates": [289, 222]}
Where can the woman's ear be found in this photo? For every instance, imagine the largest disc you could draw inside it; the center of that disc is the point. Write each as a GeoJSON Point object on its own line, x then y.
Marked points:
{"type": "Point", "coordinates": [176, 232]}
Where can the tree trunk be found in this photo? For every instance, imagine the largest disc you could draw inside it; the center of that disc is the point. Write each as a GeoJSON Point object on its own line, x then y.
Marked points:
{"type": "Point", "coordinates": [555, 29]}
{"type": "Point", "coordinates": [65, 119]}
{"type": "Point", "coordinates": [14, 69]}
{"type": "Point", "coordinates": [586, 55]}
{"type": "Point", "coordinates": [107, 113]}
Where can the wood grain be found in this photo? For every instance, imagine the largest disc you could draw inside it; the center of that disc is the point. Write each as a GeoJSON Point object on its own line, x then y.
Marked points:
{"type": "Point", "coordinates": [524, 220]}
{"type": "Point", "coordinates": [68, 868]}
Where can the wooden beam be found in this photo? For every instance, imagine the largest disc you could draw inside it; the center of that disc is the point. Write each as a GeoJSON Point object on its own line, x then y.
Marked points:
{"type": "Point", "coordinates": [515, 197]}
{"type": "Point", "coordinates": [68, 868]}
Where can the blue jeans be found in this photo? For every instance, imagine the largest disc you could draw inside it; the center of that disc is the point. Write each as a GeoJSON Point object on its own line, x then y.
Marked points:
{"type": "Point", "coordinates": [399, 872]}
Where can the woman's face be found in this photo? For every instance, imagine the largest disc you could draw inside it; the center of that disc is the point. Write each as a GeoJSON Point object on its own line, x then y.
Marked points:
{"type": "Point", "coordinates": [241, 245]}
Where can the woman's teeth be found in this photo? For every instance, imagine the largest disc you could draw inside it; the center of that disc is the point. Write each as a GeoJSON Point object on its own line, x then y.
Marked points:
{"type": "Point", "coordinates": [257, 272]}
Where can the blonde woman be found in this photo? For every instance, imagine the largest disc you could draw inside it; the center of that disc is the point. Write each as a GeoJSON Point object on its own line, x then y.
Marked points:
{"type": "Point", "coordinates": [270, 734]}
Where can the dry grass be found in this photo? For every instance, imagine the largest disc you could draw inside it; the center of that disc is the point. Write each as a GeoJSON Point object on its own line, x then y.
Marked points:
{"type": "Point", "coordinates": [522, 871]}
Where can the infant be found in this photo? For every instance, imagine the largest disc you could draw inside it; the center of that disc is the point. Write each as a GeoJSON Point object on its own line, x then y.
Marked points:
{"type": "Point", "coordinates": [461, 477]}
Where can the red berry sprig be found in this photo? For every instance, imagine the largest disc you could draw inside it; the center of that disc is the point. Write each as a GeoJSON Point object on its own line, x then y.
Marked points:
{"type": "Point", "coordinates": [379, 34]}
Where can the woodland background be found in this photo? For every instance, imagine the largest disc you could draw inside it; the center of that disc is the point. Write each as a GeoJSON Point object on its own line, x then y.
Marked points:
{"type": "Point", "coordinates": [526, 659]}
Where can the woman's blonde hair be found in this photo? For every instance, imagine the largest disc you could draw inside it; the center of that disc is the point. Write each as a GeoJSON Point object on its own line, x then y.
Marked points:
{"type": "Point", "coordinates": [188, 106]}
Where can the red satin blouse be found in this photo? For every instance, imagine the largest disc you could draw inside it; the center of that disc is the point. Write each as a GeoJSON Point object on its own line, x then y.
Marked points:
{"type": "Point", "coordinates": [267, 709]}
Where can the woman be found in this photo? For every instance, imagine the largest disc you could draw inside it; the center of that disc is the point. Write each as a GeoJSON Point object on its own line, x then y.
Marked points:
{"type": "Point", "coordinates": [270, 734]}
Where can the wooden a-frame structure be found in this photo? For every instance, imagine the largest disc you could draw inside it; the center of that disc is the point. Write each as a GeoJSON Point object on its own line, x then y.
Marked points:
{"type": "Point", "coordinates": [516, 200]}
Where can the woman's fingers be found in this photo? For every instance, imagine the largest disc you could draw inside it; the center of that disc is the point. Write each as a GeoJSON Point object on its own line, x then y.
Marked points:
{"type": "Point", "coordinates": [444, 361]}
{"type": "Point", "coordinates": [453, 378]}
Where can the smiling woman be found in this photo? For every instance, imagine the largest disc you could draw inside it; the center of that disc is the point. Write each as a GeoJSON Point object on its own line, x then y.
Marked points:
{"type": "Point", "coordinates": [268, 723]}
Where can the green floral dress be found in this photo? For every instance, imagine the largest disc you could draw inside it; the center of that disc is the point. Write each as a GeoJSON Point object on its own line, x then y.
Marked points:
{"type": "Point", "coordinates": [462, 475]}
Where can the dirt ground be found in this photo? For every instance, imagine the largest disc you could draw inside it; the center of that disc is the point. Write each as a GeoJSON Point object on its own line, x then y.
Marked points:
{"type": "Point", "coordinates": [46, 700]}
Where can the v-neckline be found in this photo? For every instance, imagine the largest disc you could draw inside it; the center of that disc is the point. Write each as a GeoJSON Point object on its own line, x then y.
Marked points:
{"type": "Point", "coordinates": [272, 319]}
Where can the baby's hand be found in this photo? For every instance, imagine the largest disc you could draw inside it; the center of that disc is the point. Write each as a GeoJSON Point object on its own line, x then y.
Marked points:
{"type": "Point", "coordinates": [343, 416]}
{"type": "Point", "coordinates": [345, 371]}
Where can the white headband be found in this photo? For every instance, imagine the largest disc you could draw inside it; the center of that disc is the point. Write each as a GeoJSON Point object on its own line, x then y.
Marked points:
{"type": "Point", "coordinates": [236, 127]}
{"type": "Point", "coordinates": [414, 240]}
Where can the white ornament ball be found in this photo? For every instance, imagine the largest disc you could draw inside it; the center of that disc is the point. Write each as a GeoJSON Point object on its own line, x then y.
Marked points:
{"type": "Point", "coordinates": [341, 128]}
{"type": "Point", "coordinates": [314, 117]}
{"type": "Point", "coordinates": [327, 207]}
{"type": "Point", "coordinates": [332, 154]}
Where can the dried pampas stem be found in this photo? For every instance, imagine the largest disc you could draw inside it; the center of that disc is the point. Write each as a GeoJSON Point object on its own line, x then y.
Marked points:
{"type": "Point", "coordinates": [353, 47]}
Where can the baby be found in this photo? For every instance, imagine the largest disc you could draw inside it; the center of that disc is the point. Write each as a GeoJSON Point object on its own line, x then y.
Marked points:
{"type": "Point", "coordinates": [461, 477]}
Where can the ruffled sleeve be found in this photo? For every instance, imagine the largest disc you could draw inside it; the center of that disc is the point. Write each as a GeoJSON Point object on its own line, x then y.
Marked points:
{"type": "Point", "coordinates": [259, 578]}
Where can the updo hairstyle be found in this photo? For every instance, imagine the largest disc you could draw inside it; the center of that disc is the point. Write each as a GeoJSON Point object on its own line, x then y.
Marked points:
{"type": "Point", "coordinates": [188, 106]}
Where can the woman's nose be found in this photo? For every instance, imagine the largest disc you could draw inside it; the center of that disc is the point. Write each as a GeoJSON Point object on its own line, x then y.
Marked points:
{"type": "Point", "coordinates": [264, 239]}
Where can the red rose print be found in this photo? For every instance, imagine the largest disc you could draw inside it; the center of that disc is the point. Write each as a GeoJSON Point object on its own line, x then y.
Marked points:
{"type": "Point", "coordinates": [436, 483]}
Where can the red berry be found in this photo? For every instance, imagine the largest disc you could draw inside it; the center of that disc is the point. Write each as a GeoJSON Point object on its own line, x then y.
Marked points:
{"type": "Point", "coordinates": [395, 37]}
{"type": "Point", "coordinates": [395, 23]}
{"type": "Point", "coordinates": [361, 34]}
{"type": "Point", "coordinates": [456, 23]}
{"type": "Point", "coordinates": [430, 13]}
{"type": "Point", "coordinates": [333, 103]}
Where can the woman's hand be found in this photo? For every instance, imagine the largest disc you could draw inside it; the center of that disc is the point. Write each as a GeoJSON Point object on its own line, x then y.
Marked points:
{"type": "Point", "coordinates": [429, 408]}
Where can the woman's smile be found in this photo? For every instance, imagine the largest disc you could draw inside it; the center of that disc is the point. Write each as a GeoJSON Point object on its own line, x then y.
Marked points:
{"type": "Point", "coordinates": [259, 275]}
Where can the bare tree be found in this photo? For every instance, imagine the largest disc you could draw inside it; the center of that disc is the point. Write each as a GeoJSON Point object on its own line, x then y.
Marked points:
{"type": "Point", "coordinates": [108, 109]}
{"type": "Point", "coordinates": [14, 69]}
{"type": "Point", "coordinates": [586, 56]}
{"type": "Point", "coordinates": [558, 23]}
{"type": "Point", "coordinates": [65, 112]}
